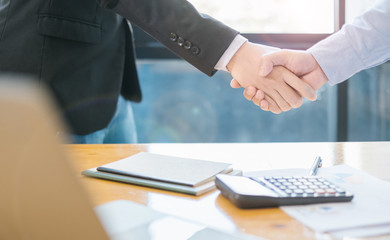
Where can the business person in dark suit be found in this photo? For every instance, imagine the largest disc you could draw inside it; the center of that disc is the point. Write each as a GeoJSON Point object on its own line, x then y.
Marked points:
{"type": "Point", "coordinates": [83, 50]}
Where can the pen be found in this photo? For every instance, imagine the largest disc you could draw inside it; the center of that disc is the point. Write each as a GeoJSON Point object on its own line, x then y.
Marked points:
{"type": "Point", "coordinates": [317, 164]}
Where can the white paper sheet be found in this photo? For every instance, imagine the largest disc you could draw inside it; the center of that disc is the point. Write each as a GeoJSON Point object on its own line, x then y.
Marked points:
{"type": "Point", "coordinates": [362, 231]}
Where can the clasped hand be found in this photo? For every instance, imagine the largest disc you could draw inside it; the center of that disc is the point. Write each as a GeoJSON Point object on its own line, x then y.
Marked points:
{"type": "Point", "coordinates": [278, 81]}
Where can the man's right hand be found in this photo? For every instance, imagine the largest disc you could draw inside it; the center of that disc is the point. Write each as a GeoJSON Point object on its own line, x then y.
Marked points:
{"type": "Point", "coordinates": [301, 63]}
{"type": "Point", "coordinates": [281, 89]}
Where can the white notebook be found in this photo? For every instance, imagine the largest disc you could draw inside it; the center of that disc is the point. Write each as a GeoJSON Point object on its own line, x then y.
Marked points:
{"type": "Point", "coordinates": [169, 169]}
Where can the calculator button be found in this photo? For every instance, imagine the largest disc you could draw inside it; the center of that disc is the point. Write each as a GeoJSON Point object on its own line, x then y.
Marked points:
{"type": "Point", "coordinates": [298, 191]}
{"type": "Point", "coordinates": [309, 191]}
{"type": "Point", "coordinates": [340, 190]}
{"type": "Point", "coordinates": [330, 190]}
{"type": "Point", "coordinates": [319, 191]}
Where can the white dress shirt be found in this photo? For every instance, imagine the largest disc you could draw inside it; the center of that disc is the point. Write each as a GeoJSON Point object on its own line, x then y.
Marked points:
{"type": "Point", "coordinates": [363, 44]}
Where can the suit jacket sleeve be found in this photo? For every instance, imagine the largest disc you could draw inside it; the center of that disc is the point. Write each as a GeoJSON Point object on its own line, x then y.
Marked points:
{"type": "Point", "coordinates": [197, 38]}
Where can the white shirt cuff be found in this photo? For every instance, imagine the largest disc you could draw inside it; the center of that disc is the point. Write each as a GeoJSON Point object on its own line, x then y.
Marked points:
{"type": "Point", "coordinates": [237, 42]}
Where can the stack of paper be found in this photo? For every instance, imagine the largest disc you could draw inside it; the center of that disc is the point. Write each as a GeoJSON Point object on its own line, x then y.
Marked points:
{"type": "Point", "coordinates": [183, 175]}
{"type": "Point", "coordinates": [367, 215]}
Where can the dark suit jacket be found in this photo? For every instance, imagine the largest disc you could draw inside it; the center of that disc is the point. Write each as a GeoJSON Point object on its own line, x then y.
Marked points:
{"type": "Point", "coordinates": [83, 50]}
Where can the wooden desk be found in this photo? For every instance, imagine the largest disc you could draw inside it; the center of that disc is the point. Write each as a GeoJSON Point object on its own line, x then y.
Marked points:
{"type": "Point", "coordinates": [212, 208]}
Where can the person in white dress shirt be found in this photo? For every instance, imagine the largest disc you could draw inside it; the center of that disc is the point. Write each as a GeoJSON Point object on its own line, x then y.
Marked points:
{"type": "Point", "coordinates": [360, 45]}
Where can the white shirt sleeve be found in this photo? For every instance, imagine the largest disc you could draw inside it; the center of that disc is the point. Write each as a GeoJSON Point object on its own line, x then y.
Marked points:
{"type": "Point", "coordinates": [362, 44]}
{"type": "Point", "coordinates": [237, 42]}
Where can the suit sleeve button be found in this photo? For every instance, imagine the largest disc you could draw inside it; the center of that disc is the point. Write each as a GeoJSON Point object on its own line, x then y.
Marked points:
{"type": "Point", "coordinates": [187, 45]}
{"type": "Point", "coordinates": [180, 41]}
{"type": "Point", "coordinates": [195, 50]}
{"type": "Point", "coordinates": [173, 37]}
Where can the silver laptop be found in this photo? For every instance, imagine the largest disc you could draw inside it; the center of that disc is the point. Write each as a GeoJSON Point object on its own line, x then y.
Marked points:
{"type": "Point", "coordinates": [41, 196]}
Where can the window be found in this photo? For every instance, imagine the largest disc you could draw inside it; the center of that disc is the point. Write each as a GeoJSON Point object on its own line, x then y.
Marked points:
{"type": "Point", "coordinates": [277, 16]}
{"type": "Point", "coordinates": [355, 8]}
{"type": "Point", "coordinates": [181, 104]}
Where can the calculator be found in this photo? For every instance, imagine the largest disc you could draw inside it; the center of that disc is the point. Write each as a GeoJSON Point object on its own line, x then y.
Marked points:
{"type": "Point", "coordinates": [263, 192]}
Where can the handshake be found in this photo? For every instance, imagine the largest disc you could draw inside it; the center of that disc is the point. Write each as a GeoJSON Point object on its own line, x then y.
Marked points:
{"type": "Point", "coordinates": [276, 81]}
